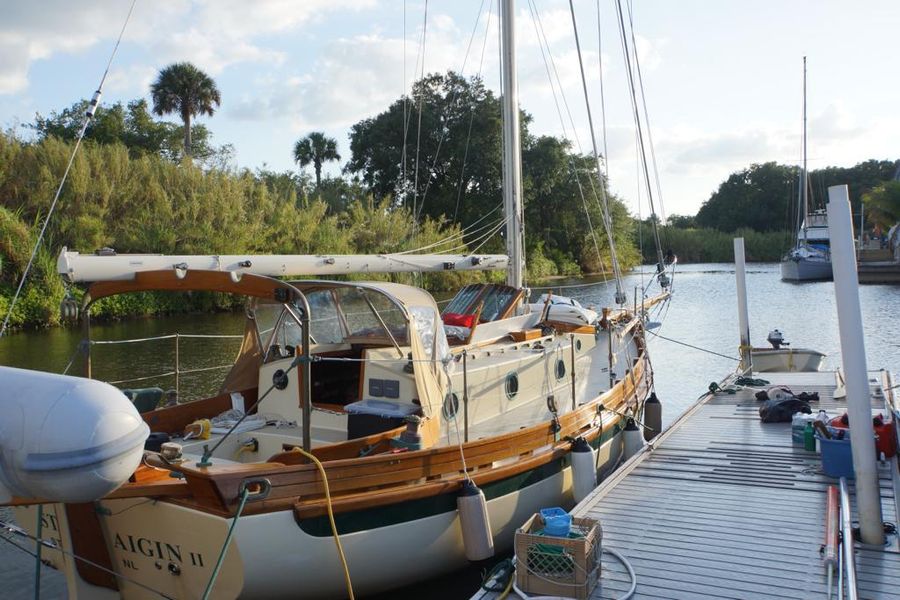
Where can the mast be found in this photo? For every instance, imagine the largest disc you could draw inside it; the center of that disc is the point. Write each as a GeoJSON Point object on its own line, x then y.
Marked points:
{"type": "Point", "coordinates": [512, 149]}
{"type": "Point", "coordinates": [804, 176]}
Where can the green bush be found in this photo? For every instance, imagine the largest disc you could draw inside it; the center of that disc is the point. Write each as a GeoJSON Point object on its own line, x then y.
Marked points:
{"type": "Point", "coordinates": [147, 204]}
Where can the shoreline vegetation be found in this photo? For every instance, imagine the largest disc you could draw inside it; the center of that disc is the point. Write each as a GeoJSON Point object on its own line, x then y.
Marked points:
{"type": "Point", "coordinates": [144, 185]}
{"type": "Point", "coordinates": [148, 203]}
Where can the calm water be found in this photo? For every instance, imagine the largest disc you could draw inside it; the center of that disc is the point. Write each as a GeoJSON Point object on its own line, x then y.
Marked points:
{"type": "Point", "coordinates": [703, 313]}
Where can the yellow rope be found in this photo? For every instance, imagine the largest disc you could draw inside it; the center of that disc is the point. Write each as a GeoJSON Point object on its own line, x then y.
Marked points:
{"type": "Point", "coordinates": [337, 539]}
{"type": "Point", "coordinates": [505, 593]}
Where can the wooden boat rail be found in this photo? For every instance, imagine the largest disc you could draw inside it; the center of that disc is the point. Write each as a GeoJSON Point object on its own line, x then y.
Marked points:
{"type": "Point", "coordinates": [380, 479]}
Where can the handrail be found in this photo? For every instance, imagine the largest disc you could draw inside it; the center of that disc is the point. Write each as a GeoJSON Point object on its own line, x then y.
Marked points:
{"type": "Point", "coordinates": [847, 542]}
{"type": "Point", "coordinates": [177, 371]}
{"type": "Point", "coordinates": [163, 337]}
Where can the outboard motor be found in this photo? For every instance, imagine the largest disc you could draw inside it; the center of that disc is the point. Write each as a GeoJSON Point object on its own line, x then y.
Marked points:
{"type": "Point", "coordinates": [776, 339]}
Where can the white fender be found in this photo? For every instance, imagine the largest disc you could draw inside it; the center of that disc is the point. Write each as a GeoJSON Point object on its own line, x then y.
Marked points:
{"type": "Point", "coordinates": [65, 439]}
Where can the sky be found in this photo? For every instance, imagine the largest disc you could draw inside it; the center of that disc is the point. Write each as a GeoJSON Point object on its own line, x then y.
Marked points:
{"type": "Point", "coordinates": [723, 79]}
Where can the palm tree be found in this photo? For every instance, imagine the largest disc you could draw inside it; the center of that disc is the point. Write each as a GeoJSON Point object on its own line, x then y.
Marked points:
{"type": "Point", "coordinates": [316, 149]}
{"type": "Point", "coordinates": [184, 89]}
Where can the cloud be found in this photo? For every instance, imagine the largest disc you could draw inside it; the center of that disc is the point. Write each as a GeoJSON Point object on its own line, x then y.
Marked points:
{"type": "Point", "coordinates": [32, 31]}
{"type": "Point", "coordinates": [724, 148]}
{"type": "Point", "coordinates": [357, 77]}
{"type": "Point", "coordinates": [834, 124]}
{"type": "Point", "coordinates": [213, 33]}
{"type": "Point", "coordinates": [131, 79]}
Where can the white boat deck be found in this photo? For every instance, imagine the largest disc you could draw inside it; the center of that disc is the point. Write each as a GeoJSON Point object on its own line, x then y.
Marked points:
{"type": "Point", "coordinates": [724, 506]}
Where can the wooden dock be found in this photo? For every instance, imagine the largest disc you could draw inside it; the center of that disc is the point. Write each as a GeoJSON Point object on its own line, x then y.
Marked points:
{"type": "Point", "coordinates": [878, 266]}
{"type": "Point", "coordinates": [724, 506]}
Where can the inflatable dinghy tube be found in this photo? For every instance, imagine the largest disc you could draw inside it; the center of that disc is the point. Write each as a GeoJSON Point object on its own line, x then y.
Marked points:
{"type": "Point", "coordinates": [66, 439]}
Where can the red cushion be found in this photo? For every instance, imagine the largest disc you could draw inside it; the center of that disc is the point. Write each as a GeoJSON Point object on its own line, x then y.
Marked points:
{"type": "Point", "coordinates": [458, 319]}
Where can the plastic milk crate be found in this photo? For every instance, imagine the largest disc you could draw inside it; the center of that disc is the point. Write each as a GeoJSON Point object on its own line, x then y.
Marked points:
{"type": "Point", "coordinates": [559, 566]}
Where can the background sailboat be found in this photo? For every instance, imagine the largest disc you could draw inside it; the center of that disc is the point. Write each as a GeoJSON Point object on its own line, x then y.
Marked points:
{"type": "Point", "coordinates": [810, 258]}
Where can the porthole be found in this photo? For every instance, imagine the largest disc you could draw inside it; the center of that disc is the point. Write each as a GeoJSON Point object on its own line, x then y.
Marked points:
{"type": "Point", "coordinates": [578, 345]}
{"type": "Point", "coordinates": [451, 406]}
{"type": "Point", "coordinates": [512, 385]}
{"type": "Point", "coordinates": [560, 369]}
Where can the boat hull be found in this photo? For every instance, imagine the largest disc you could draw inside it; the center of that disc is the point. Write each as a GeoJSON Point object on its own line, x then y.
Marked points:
{"type": "Point", "coordinates": [805, 270]}
{"type": "Point", "coordinates": [786, 360]}
{"type": "Point", "coordinates": [275, 555]}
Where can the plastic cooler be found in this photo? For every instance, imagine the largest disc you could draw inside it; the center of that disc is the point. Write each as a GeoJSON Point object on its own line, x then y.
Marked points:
{"type": "Point", "coordinates": [837, 459]}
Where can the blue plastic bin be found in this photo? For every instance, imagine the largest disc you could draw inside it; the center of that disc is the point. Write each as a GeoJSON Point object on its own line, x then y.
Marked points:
{"type": "Point", "coordinates": [557, 522]}
{"type": "Point", "coordinates": [837, 460]}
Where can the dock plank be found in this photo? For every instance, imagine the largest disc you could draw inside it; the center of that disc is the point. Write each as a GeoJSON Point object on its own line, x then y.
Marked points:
{"type": "Point", "coordinates": [724, 506]}
{"type": "Point", "coordinates": [727, 507]}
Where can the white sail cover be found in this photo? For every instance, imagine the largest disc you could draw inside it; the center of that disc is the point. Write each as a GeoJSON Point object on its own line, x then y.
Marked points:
{"type": "Point", "coordinates": [75, 267]}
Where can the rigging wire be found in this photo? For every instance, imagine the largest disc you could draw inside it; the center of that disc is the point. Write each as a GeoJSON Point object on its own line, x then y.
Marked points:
{"type": "Point", "coordinates": [629, 71]}
{"type": "Point", "coordinates": [419, 125]}
{"type": "Point", "coordinates": [542, 42]}
{"type": "Point", "coordinates": [463, 245]}
{"type": "Point", "coordinates": [470, 230]}
{"type": "Point", "coordinates": [405, 96]}
{"type": "Point", "coordinates": [92, 107]}
{"type": "Point", "coordinates": [640, 78]}
{"type": "Point", "coordinates": [638, 201]}
{"type": "Point", "coordinates": [542, 35]}
{"type": "Point", "coordinates": [620, 293]}
{"type": "Point", "coordinates": [674, 341]}
{"type": "Point", "coordinates": [602, 94]}
{"type": "Point", "coordinates": [462, 169]}
{"type": "Point", "coordinates": [451, 101]}
{"type": "Point", "coordinates": [488, 236]}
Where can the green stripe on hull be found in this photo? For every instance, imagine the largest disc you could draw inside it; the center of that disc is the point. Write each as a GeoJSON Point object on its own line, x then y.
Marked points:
{"type": "Point", "coordinates": [412, 510]}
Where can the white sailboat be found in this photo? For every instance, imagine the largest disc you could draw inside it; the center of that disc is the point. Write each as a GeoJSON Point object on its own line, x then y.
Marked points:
{"type": "Point", "coordinates": [810, 258]}
{"type": "Point", "coordinates": [355, 417]}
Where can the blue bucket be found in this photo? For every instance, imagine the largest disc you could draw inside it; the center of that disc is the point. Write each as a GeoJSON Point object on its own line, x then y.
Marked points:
{"type": "Point", "coordinates": [557, 522]}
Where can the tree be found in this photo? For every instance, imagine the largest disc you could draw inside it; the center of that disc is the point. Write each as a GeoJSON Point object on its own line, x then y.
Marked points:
{"type": "Point", "coordinates": [107, 126]}
{"type": "Point", "coordinates": [459, 175]}
{"type": "Point", "coordinates": [315, 149]}
{"type": "Point", "coordinates": [132, 125]}
{"type": "Point", "coordinates": [458, 146]}
{"type": "Point", "coordinates": [759, 197]}
{"type": "Point", "coordinates": [883, 204]}
{"type": "Point", "coordinates": [682, 221]}
{"type": "Point", "coordinates": [184, 89]}
{"type": "Point", "coordinates": [763, 197]}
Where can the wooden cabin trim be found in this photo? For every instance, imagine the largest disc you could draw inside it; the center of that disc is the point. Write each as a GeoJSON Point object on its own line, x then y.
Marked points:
{"type": "Point", "coordinates": [345, 450]}
{"type": "Point", "coordinates": [381, 479]}
{"type": "Point", "coordinates": [415, 491]}
{"type": "Point", "coordinates": [256, 286]}
{"type": "Point", "coordinates": [217, 489]}
{"type": "Point", "coordinates": [175, 418]}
